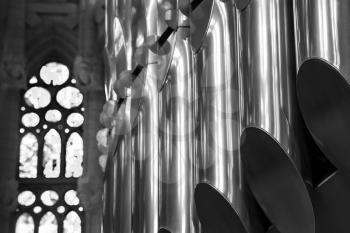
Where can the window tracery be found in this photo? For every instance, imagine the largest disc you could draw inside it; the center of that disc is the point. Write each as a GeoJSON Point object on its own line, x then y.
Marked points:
{"type": "Point", "coordinates": [50, 154]}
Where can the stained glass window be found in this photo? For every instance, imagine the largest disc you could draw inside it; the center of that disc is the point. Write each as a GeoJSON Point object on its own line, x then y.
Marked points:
{"type": "Point", "coordinates": [28, 158]}
{"type": "Point", "coordinates": [54, 73]}
{"type": "Point", "coordinates": [50, 153]}
{"type": "Point", "coordinates": [37, 97]}
{"type": "Point", "coordinates": [74, 156]}
{"type": "Point", "coordinates": [26, 198]}
{"type": "Point", "coordinates": [30, 119]}
{"type": "Point", "coordinates": [48, 223]}
{"type": "Point", "coordinates": [25, 224]}
{"type": "Point", "coordinates": [69, 97]}
{"type": "Point", "coordinates": [72, 223]}
{"type": "Point", "coordinates": [53, 115]}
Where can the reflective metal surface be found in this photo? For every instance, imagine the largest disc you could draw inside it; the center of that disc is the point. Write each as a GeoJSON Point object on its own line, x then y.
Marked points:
{"type": "Point", "coordinates": [122, 188]}
{"type": "Point", "coordinates": [241, 4]}
{"type": "Point", "coordinates": [115, 44]}
{"type": "Point", "coordinates": [108, 199]}
{"type": "Point", "coordinates": [145, 133]}
{"type": "Point", "coordinates": [221, 197]}
{"type": "Point", "coordinates": [270, 150]}
{"type": "Point", "coordinates": [200, 19]}
{"type": "Point", "coordinates": [145, 165]}
{"type": "Point", "coordinates": [176, 129]}
{"type": "Point", "coordinates": [322, 31]}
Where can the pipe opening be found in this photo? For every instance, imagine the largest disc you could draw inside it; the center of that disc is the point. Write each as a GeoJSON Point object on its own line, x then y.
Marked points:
{"type": "Point", "coordinates": [241, 4]}
{"type": "Point", "coordinates": [163, 230]}
{"type": "Point", "coordinates": [215, 212]}
{"type": "Point", "coordinates": [276, 183]}
{"type": "Point", "coordinates": [324, 99]}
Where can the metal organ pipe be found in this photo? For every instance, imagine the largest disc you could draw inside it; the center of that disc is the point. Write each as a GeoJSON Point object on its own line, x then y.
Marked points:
{"type": "Point", "coordinates": [145, 130]}
{"type": "Point", "coordinates": [222, 200]}
{"type": "Point", "coordinates": [323, 61]}
{"type": "Point", "coordinates": [176, 147]}
{"type": "Point", "coordinates": [270, 151]}
{"type": "Point", "coordinates": [215, 126]}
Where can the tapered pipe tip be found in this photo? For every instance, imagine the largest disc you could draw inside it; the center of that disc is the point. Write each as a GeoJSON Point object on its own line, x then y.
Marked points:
{"type": "Point", "coordinates": [324, 100]}
{"type": "Point", "coordinates": [163, 230]}
{"type": "Point", "coordinates": [276, 183]}
{"type": "Point", "coordinates": [215, 212]}
{"type": "Point", "coordinates": [242, 4]}
{"type": "Point", "coordinates": [200, 19]}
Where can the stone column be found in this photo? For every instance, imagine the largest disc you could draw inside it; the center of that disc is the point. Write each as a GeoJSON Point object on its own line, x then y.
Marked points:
{"type": "Point", "coordinates": [90, 185]}
{"type": "Point", "coordinates": [9, 153]}
{"type": "Point", "coordinates": [88, 68]}
{"type": "Point", "coordinates": [12, 80]}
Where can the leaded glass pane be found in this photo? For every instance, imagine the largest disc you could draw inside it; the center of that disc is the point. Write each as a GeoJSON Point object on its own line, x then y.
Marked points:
{"type": "Point", "coordinates": [25, 224]}
{"type": "Point", "coordinates": [75, 119]}
{"type": "Point", "coordinates": [26, 198]}
{"type": "Point", "coordinates": [37, 97]}
{"type": "Point", "coordinates": [54, 73]}
{"type": "Point", "coordinates": [72, 223]}
{"type": "Point", "coordinates": [30, 119]}
{"type": "Point", "coordinates": [69, 97]}
{"type": "Point", "coordinates": [49, 197]}
{"type": "Point", "coordinates": [48, 223]}
{"type": "Point", "coordinates": [52, 154]}
{"type": "Point", "coordinates": [28, 157]}
{"type": "Point", "coordinates": [71, 198]}
{"type": "Point", "coordinates": [53, 115]}
{"type": "Point", "coordinates": [74, 156]}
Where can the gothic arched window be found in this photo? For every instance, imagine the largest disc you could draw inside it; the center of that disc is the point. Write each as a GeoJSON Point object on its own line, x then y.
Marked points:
{"type": "Point", "coordinates": [50, 153]}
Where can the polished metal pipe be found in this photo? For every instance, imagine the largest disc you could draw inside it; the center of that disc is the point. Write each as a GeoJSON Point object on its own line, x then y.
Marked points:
{"type": "Point", "coordinates": [269, 146]}
{"type": "Point", "coordinates": [122, 206]}
{"type": "Point", "coordinates": [176, 144]}
{"type": "Point", "coordinates": [222, 199]}
{"type": "Point", "coordinates": [145, 131]}
{"type": "Point", "coordinates": [145, 167]}
{"type": "Point", "coordinates": [323, 61]}
{"type": "Point", "coordinates": [108, 198]}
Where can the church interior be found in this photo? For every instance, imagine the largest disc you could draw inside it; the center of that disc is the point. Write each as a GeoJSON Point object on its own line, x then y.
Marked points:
{"type": "Point", "coordinates": [174, 116]}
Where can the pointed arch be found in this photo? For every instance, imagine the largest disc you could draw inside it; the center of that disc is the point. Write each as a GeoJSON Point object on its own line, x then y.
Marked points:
{"type": "Point", "coordinates": [74, 156]}
{"type": "Point", "coordinates": [72, 223]}
{"type": "Point", "coordinates": [52, 154]}
{"type": "Point", "coordinates": [25, 224]}
{"type": "Point", "coordinates": [28, 156]}
{"type": "Point", "coordinates": [48, 223]}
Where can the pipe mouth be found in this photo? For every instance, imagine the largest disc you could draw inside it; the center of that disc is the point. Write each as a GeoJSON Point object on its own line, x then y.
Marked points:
{"type": "Point", "coordinates": [163, 230]}
{"type": "Point", "coordinates": [242, 4]}
{"type": "Point", "coordinates": [200, 19]}
{"type": "Point", "coordinates": [276, 183]}
{"type": "Point", "coordinates": [332, 204]}
{"type": "Point", "coordinates": [324, 99]}
{"type": "Point", "coordinates": [215, 212]}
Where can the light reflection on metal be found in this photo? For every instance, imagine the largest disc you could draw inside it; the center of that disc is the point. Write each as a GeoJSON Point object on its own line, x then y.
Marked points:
{"type": "Point", "coordinates": [176, 154]}
{"type": "Point", "coordinates": [323, 59]}
{"type": "Point", "coordinates": [144, 140]}
{"type": "Point", "coordinates": [122, 163]}
{"type": "Point", "coordinates": [188, 110]}
{"type": "Point", "coordinates": [270, 150]}
{"type": "Point", "coordinates": [222, 199]}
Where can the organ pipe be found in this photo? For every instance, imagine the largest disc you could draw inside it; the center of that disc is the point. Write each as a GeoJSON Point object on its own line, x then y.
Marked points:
{"type": "Point", "coordinates": [213, 96]}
